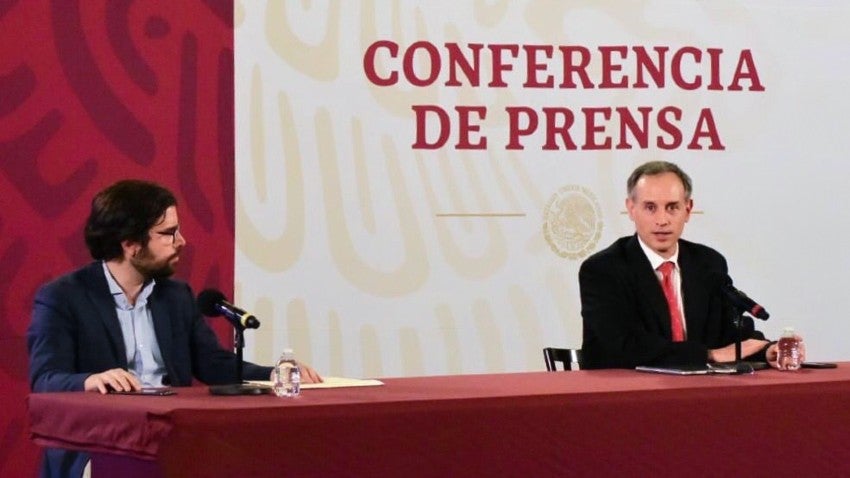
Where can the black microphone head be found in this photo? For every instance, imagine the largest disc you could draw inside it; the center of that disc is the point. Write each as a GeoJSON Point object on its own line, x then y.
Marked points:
{"type": "Point", "coordinates": [740, 300]}
{"type": "Point", "coordinates": [251, 322]}
{"type": "Point", "coordinates": [207, 301]}
{"type": "Point", "coordinates": [758, 312]}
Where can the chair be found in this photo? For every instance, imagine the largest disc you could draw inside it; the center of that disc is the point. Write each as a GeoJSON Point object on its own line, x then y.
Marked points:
{"type": "Point", "coordinates": [570, 358]}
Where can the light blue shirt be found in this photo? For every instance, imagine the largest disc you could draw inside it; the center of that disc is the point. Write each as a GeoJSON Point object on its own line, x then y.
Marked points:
{"type": "Point", "coordinates": [144, 358]}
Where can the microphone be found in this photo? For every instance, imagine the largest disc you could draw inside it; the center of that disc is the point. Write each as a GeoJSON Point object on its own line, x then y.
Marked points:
{"type": "Point", "coordinates": [212, 303]}
{"type": "Point", "coordinates": [741, 300]}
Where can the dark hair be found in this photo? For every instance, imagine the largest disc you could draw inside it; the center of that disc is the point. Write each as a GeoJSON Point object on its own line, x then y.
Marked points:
{"type": "Point", "coordinates": [654, 168]}
{"type": "Point", "coordinates": [127, 210]}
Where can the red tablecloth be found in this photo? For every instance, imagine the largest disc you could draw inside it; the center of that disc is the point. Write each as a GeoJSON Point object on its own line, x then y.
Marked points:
{"type": "Point", "coordinates": [584, 423]}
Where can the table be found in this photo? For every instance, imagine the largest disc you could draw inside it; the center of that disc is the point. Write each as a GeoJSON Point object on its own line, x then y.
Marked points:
{"type": "Point", "coordinates": [581, 423]}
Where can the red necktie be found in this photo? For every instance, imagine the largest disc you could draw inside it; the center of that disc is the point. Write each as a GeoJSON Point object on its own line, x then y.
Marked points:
{"type": "Point", "coordinates": [672, 303]}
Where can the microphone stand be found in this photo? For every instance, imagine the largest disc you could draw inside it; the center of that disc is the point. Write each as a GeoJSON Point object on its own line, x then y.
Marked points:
{"type": "Point", "coordinates": [238, 388]}
{"type": "Point", "coordinates": [741, 304]}
{"type": "Point", "coordinates": [740, 365]}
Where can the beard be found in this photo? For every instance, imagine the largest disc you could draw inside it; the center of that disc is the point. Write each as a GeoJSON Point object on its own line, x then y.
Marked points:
{"type": "Point", "coordinates": [151, 268]}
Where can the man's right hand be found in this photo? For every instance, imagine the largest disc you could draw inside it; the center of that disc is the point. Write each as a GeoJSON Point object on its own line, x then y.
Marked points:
{"type": "Point", "coordinates": [727, 353]}
{"type": "Point", "coordinates": [116, 379]}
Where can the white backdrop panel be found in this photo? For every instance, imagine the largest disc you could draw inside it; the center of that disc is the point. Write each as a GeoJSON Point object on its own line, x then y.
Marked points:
{"type": "Point", "coordinates": [373, 257]}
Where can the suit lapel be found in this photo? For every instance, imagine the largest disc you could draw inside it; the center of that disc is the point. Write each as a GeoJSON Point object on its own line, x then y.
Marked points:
{"type": "Point", "coordinates": [649, 288]}
{"type": "Point", "coordinates": [104, 305]}
{"type": "Point", "coordinates": [694, 293]}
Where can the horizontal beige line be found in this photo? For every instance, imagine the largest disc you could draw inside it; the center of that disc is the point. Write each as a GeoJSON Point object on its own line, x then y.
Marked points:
{"type": "Point", "coordinates": [480, 214]}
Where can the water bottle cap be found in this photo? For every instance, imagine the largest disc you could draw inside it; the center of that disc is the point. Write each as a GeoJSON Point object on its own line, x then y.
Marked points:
{"type": "Point", "coordinates": [289, 351]}
{"type": "Point", "coordinates": [788, 332]}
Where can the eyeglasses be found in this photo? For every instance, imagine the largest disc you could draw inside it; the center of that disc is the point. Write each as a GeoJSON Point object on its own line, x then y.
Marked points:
{"type": "Point", "coordinates": [171, 232]}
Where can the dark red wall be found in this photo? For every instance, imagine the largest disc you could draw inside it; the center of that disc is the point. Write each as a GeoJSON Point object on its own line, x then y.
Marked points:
{"type": "Point", "coordinates": [93, 91]}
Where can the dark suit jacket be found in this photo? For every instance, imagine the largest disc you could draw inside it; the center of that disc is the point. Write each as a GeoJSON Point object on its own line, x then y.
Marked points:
{"type": "Point", "coordinates": [75, 333]}
{"type": "Point", "coordinates": [625, 317]}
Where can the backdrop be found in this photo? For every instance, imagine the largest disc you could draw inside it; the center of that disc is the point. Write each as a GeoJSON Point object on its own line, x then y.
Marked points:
{"type": "Point", "coordinates": [417, 183]}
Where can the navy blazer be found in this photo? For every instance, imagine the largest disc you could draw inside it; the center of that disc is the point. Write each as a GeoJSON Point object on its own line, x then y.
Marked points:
{"type": "Point", "coordinates": [625, 317]}
{"type": "Point", "coordinates": [75, 333]}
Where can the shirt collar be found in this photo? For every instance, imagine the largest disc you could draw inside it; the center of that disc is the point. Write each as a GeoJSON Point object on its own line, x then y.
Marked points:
{"type": "Point", "coordinates": [656, 260]}
{"type": "Point", "coordinates": [120, 298]}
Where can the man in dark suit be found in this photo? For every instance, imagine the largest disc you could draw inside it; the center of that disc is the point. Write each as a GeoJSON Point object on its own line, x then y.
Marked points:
{"type": "Point", "coordinates": [121, 323]}
{"type": "Point", "coordinates": [625, 306]}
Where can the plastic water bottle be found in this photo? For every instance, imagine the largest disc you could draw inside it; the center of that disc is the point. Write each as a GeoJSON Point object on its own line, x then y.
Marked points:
{"type": "Point", "coordinates": [789, 350]}
{"type": "Point", "coordinates": [287, 375]}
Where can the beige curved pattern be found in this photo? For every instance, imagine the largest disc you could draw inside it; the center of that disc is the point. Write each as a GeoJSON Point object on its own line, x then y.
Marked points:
{"type": "Point", "coordinates": [320, 61]}
{"type": "Point", "coordinates": [276, 254]}
{"type": "Point", "coordinates": [412, 272]}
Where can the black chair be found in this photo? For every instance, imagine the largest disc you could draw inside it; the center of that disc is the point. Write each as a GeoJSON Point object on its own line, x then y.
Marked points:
{"type": "Point", "coordinates": [569, 358]}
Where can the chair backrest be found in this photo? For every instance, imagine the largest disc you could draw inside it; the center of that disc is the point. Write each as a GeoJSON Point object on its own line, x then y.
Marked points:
{"type": "Point", "coordinates": [569, 358]}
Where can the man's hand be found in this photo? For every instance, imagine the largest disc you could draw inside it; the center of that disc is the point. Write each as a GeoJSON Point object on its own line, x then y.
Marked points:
{"type": "Point", "coordinates": [116, 379]}
{"type": "Point", "coordinates": [748, 347]}
{"type": "Point", "coordinates": [308, 374]}
{"type": "Point", "coordinates": [772, 353]}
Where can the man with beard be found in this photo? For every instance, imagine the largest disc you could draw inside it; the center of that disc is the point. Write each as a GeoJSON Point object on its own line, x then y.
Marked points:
{"type": "Point", "coordinates": [120, 323]}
